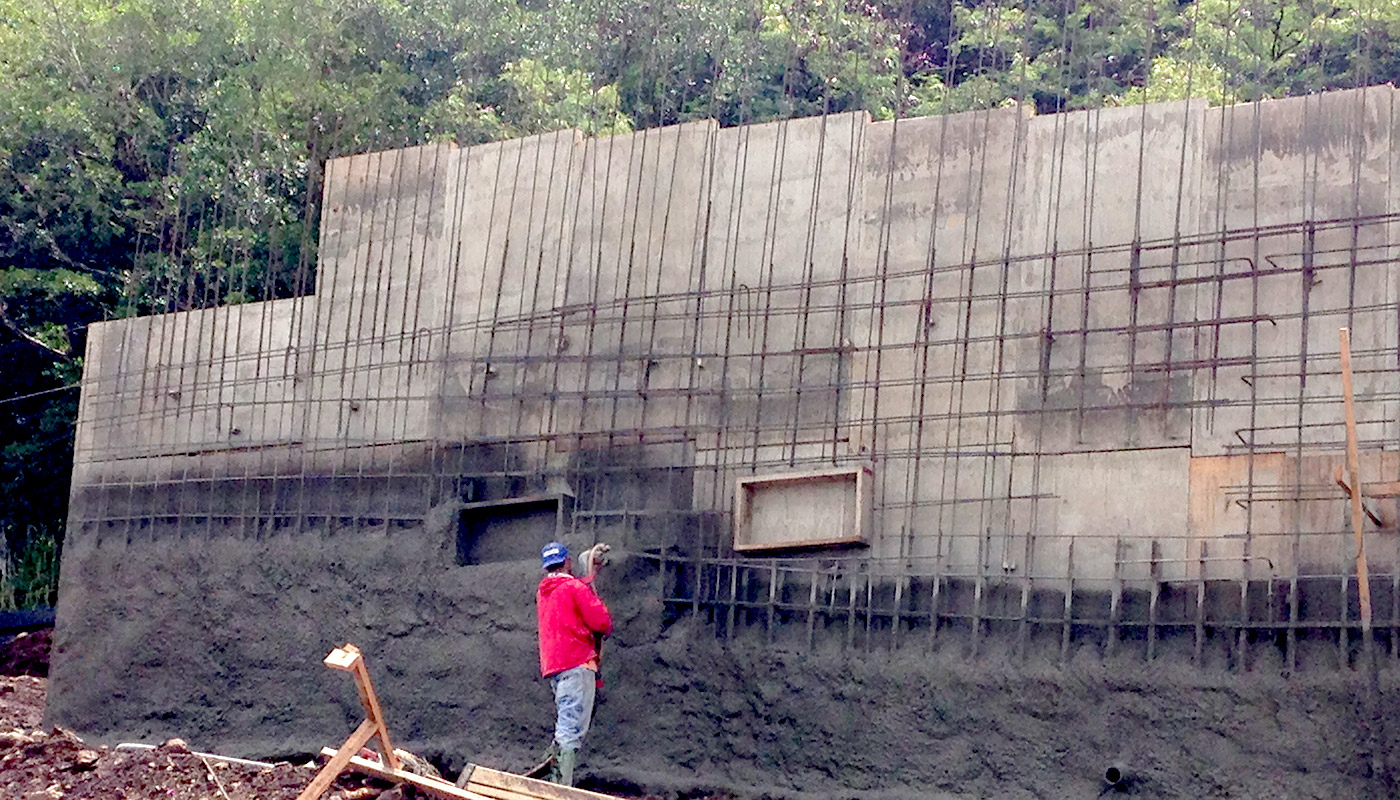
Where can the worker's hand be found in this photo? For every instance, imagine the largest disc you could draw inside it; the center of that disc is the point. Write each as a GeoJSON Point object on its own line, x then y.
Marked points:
{"type": "Point", "coordinates": [595, 557]}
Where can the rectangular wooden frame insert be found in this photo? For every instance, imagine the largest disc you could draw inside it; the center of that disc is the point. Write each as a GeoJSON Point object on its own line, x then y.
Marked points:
{"type": "Point", "coordinates": [851, 525]}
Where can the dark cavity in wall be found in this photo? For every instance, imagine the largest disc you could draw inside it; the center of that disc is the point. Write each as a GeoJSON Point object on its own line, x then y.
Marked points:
{"type": "Point", "coordinates": [511, 530]}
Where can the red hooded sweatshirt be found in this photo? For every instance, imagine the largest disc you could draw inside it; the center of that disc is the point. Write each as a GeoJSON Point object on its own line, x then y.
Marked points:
{"type": "Point", "coordinates": [569, 614]}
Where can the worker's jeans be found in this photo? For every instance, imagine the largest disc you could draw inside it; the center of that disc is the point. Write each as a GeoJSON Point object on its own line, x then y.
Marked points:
{"type": "Point", "coordinates": [573, 702]}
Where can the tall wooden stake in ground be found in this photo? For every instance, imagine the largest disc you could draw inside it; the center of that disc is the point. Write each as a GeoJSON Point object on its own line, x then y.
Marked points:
{"type": "Point", "coordinates": [1363, 582]}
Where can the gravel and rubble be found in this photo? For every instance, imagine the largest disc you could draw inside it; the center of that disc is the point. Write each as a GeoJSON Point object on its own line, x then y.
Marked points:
{"type": "Point", "coordinates": [56, 764]}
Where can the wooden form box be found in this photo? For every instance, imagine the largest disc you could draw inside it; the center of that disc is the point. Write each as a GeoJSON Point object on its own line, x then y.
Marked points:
{"type": "Point", "coordinates": [803, 509]}
{"type": "Point", "coordinates": [513, 529]}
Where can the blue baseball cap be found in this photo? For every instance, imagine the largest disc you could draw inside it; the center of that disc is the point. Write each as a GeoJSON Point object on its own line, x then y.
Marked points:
{"type": "Point", "coordinates": [553, 554]}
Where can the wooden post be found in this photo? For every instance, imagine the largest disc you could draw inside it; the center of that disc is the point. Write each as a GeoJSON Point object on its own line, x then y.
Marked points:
{"type": "Point", "coordinates": [977, 590]}
{"type": "Point", "coordinates": [851, 613]}
{"type": "Point", "coordinates": [772, 598]}
{"type": "Point", "coordinates": [1200, 604]}
{"type": "Point", "coordinates": [817, 575]}
{"type": "Point", "coordinates": [1022, 630]}
{"type": "Point", "coordinates": [933, 601]}
{"type": "Point", "coordinates": [870, 610]}
{"type": "Point", "coordinates": [896, 621]}
{"type": "Point", "coordinates": [1363, 583]}
{"type": "Point", "coordinates": [733, 599]}
{"type": "Point", "coordinates": [697, 588]}
{"type": "Point", "coordinates": [347, 658]}
{"type": "Point", "coordinates": [1155, 569]}
{"type": "Point", "coordinates": [1115, 603]}
{"type": "Point", "coordinates": [1069, 602]}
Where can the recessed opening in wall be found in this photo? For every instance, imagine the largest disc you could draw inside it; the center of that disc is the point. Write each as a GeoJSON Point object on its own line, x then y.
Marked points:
{"type": "Point", "coordinates": [803, 509]}
{"type": "Point", "coordinates": [511, 530]}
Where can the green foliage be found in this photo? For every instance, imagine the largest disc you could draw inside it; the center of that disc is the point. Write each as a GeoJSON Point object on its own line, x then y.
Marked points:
{"type": "Point", "coordinates": [159, 156]}
{"type": "Point", "coordinates": [29, 578]}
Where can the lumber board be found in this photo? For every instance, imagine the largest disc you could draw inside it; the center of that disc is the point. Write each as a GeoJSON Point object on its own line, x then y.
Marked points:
{"type": "Point", "coordinates": [835, 474]}
{"type": "Point", "coordinates": [493, 793]}
{"type": "Point", "coordinates": [519, 785]}
{"type": "Point", "coordinates": [343, 658]}
{"type": "Point", "coordinates": [436, 788]}
{"type": "Point", "coordinates": [328, 773]}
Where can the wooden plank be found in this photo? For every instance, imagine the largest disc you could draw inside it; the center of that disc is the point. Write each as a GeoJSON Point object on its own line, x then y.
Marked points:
{"type": "Point", "coordinates": [373, 714]}
{"type": "Point", "coordinates": [1363, 582]}
{"type": "Point", "coordinates": [828, 542]}
{"type": "Point", "coordinates": [934, 597]}
{"type": "Point", "coordinates": [431, 786]}
{"type": "Point", "coordinates": [343, 658]}
{"type": "Point", "coordinates": [772, 599]}
{"type": "Point", "coordinates": [898, 611]}
{"type": "Point", "coordinates": [338, 762]}
{"type": "Point", "coordinates": [1069, 603]}
{"type": "Point", "coordinates": [1154, 569]}
{"type": "Point", "coordinates": [812, 607]}
{"type": "Point", "coordinates": [1200, 605]}
{"type": "Point", "coordinates": [493, 793]}
{"type": "Point", "coordinates": [803, 477]}
{"type": "Point", "coordinates": [529, 787]}
{"type": "Point", "coordinates": [1115, 603]}
{"type": "Point", "coordinates": [858, 478]}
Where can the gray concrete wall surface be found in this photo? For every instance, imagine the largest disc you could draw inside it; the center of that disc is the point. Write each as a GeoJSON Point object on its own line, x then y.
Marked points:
{"type": "Point", "coordinates": [1091, 355]}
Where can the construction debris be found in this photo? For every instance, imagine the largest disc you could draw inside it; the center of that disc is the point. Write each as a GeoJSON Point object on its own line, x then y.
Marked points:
{"type": "Point", "coordinates": [399, 766]}
{"type": "Point", "coordinates": [57, 764]}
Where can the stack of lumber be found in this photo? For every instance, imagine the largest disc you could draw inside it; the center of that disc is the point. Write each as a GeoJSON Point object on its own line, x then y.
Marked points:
{"type": "Point", "coordinates": [481, 783]}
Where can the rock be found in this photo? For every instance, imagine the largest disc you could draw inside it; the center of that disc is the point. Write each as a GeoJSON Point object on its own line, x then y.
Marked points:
{"type": "Point", "coordinates": [175, 746]}
{"type": "Point", "coordinates": [85, 760]}
{"type": "Point", "coordinates": [395, 793]}
{"type": "Point", "coordinates": [10, 739]}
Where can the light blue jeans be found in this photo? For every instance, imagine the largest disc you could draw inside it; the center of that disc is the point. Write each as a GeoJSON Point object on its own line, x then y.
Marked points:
{"type": "Point", "coordinates": [573, 702]}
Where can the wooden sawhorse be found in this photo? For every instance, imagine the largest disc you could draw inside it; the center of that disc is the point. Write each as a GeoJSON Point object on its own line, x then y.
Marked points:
{"type": "Point", "coordinates": [347, 658]}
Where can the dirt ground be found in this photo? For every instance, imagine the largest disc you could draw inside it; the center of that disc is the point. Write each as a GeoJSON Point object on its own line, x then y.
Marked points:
{"type": "Point", "coordinates": [55, 764]}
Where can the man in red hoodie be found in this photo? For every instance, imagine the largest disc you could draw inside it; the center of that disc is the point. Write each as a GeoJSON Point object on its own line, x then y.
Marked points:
{"type": "Point", "coordinates": [571, 619]}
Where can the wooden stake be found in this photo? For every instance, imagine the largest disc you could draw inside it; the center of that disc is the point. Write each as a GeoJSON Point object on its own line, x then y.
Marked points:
{"type": "Point", "coordinates": [851, 613]}
{"type": "Point", "coordinates": [1115, 603]}
{"type": "Point", "coordinates": [1069, 603]}
{"type": "Point", "coordinates": [1363, 584]}
{"type": "Point", "coordinates": [898, 609]}
{"type": "Point", "coordinates": [1156, 555]}
{"type": "Point", "coordinates": [347, 658]}
{"type": "Point", "coordinates": [1200, 604]}
{"type": "Point", "coordinates": [772, 599]}
{"type": "Point", "coordinates": [1363, 581]}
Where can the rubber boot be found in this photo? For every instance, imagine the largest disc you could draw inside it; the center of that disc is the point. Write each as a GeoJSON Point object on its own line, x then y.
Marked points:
{"type": "Point", "coordinates": [551, 763]}
{"type": "Point", "coordinates": [568, 759]}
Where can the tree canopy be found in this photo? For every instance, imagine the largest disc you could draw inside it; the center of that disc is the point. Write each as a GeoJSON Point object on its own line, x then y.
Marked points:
{"type": "Point", "coordinates": [158, 156]}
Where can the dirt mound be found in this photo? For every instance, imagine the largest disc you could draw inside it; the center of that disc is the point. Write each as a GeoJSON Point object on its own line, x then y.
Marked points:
{"type": "Point", "coordinates": [21, 703]}
{"type": "Point", "coordinates": [27, 654]}
{"type": "Point", "coordinates": [58, 765]}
